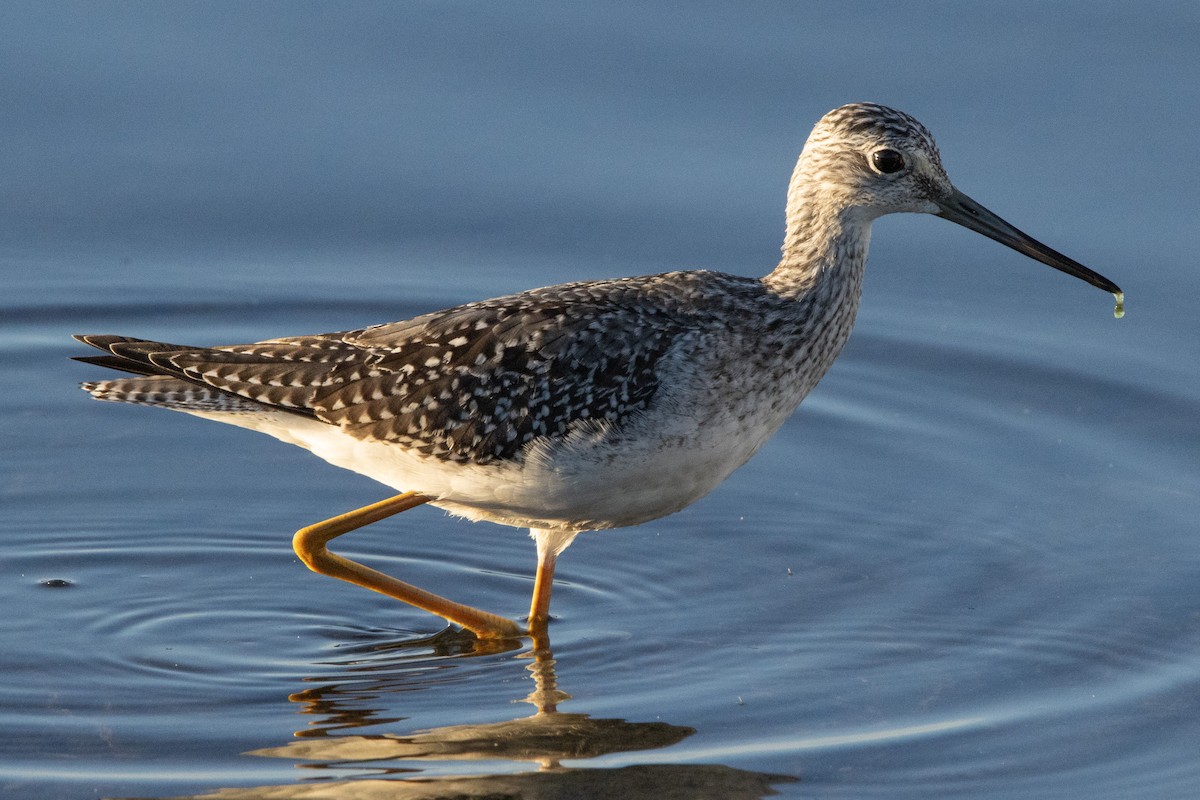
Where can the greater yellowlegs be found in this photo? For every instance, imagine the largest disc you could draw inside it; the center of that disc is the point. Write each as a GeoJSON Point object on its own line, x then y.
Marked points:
{"type": "Point", "coordinates": [582, 406]}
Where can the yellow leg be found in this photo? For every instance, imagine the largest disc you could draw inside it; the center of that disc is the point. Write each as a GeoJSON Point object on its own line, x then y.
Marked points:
{"type": "Point", "coordinates": [539, 609]}
{"type": "Point", "coordinates": [310, 544]}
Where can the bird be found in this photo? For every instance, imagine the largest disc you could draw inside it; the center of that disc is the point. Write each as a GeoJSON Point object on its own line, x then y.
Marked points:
{"type": "Point", "coordinates": [583, 406]}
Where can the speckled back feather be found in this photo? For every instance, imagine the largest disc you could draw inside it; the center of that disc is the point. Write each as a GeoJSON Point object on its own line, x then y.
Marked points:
{"type": "Point", "coordinates": [473, 383]}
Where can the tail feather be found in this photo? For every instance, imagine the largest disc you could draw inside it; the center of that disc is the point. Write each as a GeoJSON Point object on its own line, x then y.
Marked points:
{"type": "Point", "coordinates": [165, 391]}
{"type": "Point", "coordinates": [159, 383]}
{"type": "Point", "coordinates": [133, 354]}
{"type": "Point", "coordinates": [115, 362]}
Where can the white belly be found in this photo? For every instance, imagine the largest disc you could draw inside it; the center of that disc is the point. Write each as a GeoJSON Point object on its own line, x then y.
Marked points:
{"type": "Point", "coordinates": [594, 479]}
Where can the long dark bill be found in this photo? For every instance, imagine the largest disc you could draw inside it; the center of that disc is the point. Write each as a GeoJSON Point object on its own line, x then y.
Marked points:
{"type": "Point", "coordinates": [963, 210]}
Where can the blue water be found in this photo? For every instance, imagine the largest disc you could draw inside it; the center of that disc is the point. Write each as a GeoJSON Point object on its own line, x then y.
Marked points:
{"type": "Point", "coordinates": [968, 567]}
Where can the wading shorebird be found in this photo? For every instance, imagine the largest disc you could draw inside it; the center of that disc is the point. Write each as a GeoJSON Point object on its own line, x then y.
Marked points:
{"type": "Point", "coordinates": [582, 406]}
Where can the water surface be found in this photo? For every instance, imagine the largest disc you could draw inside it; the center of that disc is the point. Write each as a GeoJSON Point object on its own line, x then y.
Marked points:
{"type": "Point", "coordinates": [967, 567]}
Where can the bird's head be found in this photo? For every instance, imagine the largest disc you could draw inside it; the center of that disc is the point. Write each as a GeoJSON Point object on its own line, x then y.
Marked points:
{"type": "Point", "coordinates": [865, 160]}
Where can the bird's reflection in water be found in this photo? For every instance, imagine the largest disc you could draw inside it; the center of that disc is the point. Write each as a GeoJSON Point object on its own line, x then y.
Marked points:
{"type": "Point", "coordinates": [543, 740]}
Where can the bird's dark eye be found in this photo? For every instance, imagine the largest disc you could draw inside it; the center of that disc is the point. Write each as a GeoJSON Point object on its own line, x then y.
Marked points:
{"type": "Point", "coordinates": [887, 161]}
